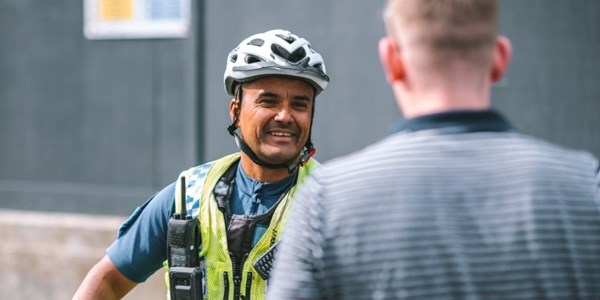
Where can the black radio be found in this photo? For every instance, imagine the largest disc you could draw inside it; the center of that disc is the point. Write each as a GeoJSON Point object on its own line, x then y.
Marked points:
{"type": "Point", "coordinates": [183, 248]}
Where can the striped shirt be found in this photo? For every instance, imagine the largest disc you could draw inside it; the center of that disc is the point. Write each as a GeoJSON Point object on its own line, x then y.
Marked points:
{"type": "Point", "coordinates": [453, 206]}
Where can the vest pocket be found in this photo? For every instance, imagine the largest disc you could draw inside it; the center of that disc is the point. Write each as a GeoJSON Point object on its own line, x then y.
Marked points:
{"type": "Point", "coordinates": [225, 286]}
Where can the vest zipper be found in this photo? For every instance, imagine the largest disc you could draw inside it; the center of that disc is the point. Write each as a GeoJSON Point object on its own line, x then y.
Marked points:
{"type": "Point", "coordinates": [237, 274]}
{"type": "Point", "coordinates": [226, 286]}
{"type": "Point", "coordinates": [248, 285]}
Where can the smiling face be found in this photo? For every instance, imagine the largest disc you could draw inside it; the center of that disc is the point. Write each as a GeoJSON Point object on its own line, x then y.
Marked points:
{"type": "Point", "coordinates": [275, 117]}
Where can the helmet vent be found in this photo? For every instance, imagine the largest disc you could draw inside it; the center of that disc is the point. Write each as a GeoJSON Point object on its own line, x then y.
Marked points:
{"type": "Point", "coordinates": [250, 59]}
{"type": "Point", "coordinates": [280, 51]}
{"type": "Point", "coordinates": [233, 58]}
{"type": "Point", "coordinates": [293, 57]}
{"type": "Point", "coordinates": [297, 55]}
{"type": "Point", "coordinates": [288, 38]}
{"type": "Point", "coordinates": [256, 42]}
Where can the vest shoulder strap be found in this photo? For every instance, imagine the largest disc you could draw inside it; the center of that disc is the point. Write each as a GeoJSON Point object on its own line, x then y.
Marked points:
{"type": "Point", "coordinates": [195, 178]}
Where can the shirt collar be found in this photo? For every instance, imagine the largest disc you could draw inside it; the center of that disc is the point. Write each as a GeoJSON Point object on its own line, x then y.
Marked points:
{"type": "Point", "coordinates": [456, 122]}
{"type": "Point", "coordinates": [250, 186]}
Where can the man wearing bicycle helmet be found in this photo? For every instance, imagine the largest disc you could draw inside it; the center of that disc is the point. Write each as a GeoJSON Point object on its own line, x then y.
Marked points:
{"type": "Point", "coordinates": [240, 200]}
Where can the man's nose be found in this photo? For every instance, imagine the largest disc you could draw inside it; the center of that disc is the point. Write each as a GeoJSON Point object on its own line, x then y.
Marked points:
{"type": "Point", "coordinates": [283, 115]}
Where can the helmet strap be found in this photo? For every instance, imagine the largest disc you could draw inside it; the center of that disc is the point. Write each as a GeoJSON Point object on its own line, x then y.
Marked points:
{"type": "Point", "coordinates": [309, 149]}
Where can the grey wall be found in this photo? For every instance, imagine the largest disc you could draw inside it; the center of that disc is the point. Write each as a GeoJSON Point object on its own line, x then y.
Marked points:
{"type": "Point", "coordinates": [552, 89]}
{"type": "Point", "coordinates": [98, 126]}
{"type": "Point", "coordinates": [89, 125]}
{"type": "Point", "coordinates": [354, 110]}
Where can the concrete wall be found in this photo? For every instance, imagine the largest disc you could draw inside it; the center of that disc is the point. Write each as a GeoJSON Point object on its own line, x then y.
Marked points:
{"type": "Point", "coordinates": [47, 255]}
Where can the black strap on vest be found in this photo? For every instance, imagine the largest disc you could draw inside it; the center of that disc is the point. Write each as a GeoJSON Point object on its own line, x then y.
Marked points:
{"type": "Point", "coordinates": [223, 191]}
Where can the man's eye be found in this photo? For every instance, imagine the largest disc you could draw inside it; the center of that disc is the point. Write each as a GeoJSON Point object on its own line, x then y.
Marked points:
{"type": "Point", "coordinates": [267, 102]}
{"type": "Point", "coordinates": [301, 105]}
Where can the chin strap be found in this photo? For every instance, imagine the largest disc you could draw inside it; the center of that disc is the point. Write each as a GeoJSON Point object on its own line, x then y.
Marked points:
{"type": "Point", "coordinates": [305, 154]}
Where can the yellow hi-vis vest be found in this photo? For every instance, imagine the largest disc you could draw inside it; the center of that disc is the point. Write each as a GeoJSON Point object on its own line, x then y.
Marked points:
{"type": "Point", "coordinates": [200, 201]}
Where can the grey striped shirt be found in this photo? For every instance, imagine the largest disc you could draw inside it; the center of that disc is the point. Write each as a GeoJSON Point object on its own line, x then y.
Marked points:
{"type": "Point", "coordinates": [437, 215]}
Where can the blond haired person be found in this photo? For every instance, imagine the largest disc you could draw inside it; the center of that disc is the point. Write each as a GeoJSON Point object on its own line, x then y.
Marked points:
{"type": "Point", "coordinates": [457, 204]}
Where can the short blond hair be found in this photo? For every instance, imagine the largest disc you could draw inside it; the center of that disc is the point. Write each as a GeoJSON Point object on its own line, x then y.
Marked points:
{"type": "Point", "coordinates": [460, 28]}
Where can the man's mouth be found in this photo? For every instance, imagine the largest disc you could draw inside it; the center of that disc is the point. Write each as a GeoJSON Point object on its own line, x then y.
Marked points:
{"type": "Point", "coordinates": [281, 134]}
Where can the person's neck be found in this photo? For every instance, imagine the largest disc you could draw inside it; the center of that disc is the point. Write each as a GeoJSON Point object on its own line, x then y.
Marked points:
{"type": "Point", "coordinates": [437, 101]}
{"type": "Point", "coordinates": [261, 173]}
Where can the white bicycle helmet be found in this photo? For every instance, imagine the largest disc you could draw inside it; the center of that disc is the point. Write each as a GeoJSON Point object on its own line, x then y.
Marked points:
{"type": "Point", "coordinates": [275, 52]}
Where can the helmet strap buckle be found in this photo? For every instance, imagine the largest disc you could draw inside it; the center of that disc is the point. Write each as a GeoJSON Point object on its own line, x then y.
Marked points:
{"type": "Point", "coordinates": [306, 155]}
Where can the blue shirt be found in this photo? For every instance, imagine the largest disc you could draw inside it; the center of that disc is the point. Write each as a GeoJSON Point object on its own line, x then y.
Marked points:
{"type": "Point", "coordinates": [141, 244]}
{"type": "Point", "coordinates": [252, 197]}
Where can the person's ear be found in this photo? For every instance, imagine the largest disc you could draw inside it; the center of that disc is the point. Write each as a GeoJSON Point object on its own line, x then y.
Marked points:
{"type": "Point", "coordinates": [389, 54]}
{"type": "Point", "coordinates": [501, 59]}
{"type": "Point", "coordinates": [234, 108]}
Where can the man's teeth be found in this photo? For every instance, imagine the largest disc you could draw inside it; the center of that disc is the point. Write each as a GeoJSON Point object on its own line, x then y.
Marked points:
{"type": "Point", "coordinates": [281, 134]}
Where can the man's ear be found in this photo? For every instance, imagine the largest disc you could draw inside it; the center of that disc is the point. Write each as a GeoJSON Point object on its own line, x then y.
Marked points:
{"type": "Point", "coordinates": [234, 108]}
{"type": "Point", "coordinates": [389, 54]}
{"type": "Point", "coordinates": [501, 59]}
